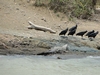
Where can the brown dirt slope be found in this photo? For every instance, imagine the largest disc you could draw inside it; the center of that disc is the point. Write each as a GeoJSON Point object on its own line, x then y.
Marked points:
{"type": "Point", "coordinates": [15, 14]}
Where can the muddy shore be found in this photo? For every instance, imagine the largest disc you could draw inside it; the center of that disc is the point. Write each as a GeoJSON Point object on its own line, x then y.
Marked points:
{"type": "Point", "coordinates": [11, 44]}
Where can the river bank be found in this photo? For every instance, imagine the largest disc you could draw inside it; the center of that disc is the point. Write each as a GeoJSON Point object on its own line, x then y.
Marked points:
{"type": "Point", "coordinates": [11, 44]}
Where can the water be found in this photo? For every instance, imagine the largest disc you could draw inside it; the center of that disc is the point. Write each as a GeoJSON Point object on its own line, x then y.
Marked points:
{"type": "Point", "coordinates": [39, 65]}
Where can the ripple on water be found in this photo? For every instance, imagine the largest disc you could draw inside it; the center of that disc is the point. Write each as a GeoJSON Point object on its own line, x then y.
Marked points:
{"type": "Point", "coordinates": [40, 65]}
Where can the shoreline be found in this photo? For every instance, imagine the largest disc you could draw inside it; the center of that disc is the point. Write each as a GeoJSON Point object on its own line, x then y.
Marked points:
{"type": "Point", "coordinates": [59, 57]}
{"type": "Point", "coordinates": [11, 44]}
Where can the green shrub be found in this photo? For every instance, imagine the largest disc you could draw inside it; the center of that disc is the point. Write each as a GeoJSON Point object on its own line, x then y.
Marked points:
{"type": "Point", "coordinates": [77, 8]}
{"type": "Point", "coordinates": [82, 9]}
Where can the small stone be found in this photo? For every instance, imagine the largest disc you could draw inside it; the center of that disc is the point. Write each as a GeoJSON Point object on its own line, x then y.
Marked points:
{"type": "Point", "coordinates": [98, 47]}
{"type": "Point", "coordinates": [43, 19]}
{"type": "Point", "coordinates": [17, 8]}
{"type": "Point", "coordinates": [91, 39]}
{"type": "Point", "coordinates": [28, 1]}
{"type": "Point", "coordinates": [24, 6]}
{"type": "Point", "coordinates": [84, 51]}
{"type": "Point", "coordinates": [65, 22]}
{"type": "Point", "coordinates": [31, 37]}
{"type": "Point", "coordinates": [58, 57]}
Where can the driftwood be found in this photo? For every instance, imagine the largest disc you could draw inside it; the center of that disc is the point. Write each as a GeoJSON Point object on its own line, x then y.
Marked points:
{"type": "Point", "coordinates": [3, 46]}
{"type": "Point", "coordinates": [56, 50]}
{"type": "Point", "coordinates": [37, 27]}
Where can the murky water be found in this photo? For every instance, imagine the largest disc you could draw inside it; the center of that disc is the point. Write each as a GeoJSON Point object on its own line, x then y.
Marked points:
{"type": "Point", "coordinates": [39, 65]}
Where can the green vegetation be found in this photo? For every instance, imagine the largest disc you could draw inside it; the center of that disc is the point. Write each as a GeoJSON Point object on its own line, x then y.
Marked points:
{"type": "Point", "coordinates": [82, 9]}
{"type": "Point", "coordinates": [73, 8]}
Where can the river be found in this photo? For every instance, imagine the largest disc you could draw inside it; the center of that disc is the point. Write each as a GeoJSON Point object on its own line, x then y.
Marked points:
{"type": "Point", "coordinates": [48, 65]}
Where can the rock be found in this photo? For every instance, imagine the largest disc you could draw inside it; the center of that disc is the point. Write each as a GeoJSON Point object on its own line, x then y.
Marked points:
{"type": "Point", "coordinates": [54, 45]}
{"type": "Point", "coordinates": [43, 45]}
{"type": "Point", "coordinates": [17, 8]}
{"type": "Point", "coordinates": [60, 48]}
{"type": "Point", "coordinates": [55, 50]}
{"type": "Point", "coordinates": [83, 49]}
{"type": "Point", "coordinates": [44, 19]}
{"type": "Point", "coordinates": [24, 43]}
{"type": "Point", "coordinates": [98, 47]}
{"type": "Point", "coordinates": [28, 1]}
{"type": "Point", "coordinates": [58, 57]}
{"type": "Point", "coordinates": [44, 53]}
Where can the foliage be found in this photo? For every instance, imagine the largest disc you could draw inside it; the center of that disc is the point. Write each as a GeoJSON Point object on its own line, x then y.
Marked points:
{"type": "Point", "coordinates": [82, 9]}
{"type": "Point", "coordinates": [38, 3]}
{"type": "Point", "coordinates": [77, 8]}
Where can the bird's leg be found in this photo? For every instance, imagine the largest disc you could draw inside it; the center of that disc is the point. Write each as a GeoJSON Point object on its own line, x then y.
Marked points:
{"type": "Point", "coordinates": [83, 38]}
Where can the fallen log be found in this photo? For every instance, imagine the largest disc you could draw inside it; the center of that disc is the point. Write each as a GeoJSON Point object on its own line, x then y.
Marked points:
{"type": "Point", "coordinates": [37, 27]}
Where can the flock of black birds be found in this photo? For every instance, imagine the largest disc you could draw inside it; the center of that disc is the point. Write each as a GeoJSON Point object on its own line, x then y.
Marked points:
{"type": "Point", "coordinates": [72, 31]}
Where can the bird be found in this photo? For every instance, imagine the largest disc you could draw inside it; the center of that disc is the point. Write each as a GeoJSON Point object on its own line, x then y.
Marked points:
{"type": "Point", "coordinates": [93, 34]}
{"type": "Point", "coordinates": [89, 33]}
{"type": "Point", "coordinates": [72, 32]}
{"type": "Point", "coordinates": [81, 33]}
{"type": "Point", "coordinates": [63, 32]}
{"type": "Point", "coordinates": [75, 27]}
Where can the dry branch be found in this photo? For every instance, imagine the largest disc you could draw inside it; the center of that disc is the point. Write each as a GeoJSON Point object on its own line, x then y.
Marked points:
{"type": "Point", "coordinates": [37, 27]}
{"type": "Point", "coordinates": [3, 46]}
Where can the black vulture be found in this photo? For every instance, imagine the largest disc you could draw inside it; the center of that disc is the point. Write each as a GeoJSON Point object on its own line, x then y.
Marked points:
{"type": "Point", "coordinates": [81, 33]}
{"type": "Point", "coordinates": [72, 32]}
{"type": "Point", "coordinates": [73, 28]}
{"type": "Point", "coordinates": [63, 32]}
{"type": "Point", "coordinates": [93, 34]}
{"type": "Point", "coordinates": [89, 33]}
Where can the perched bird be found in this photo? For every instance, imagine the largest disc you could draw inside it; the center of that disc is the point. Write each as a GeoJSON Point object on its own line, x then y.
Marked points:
{"type": "Point", "coordinates": [73, 28]}
{"type": "Point", "coordinates": [63, 32]}
{"type": "Point", "coordinates": [93, 34]}
{"type": "Point", "coordinates": [81, 33]}
{"type": "Point", "coordinates": [89, 33]}
{"type": "Point", "coordinates": [72, 32]}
